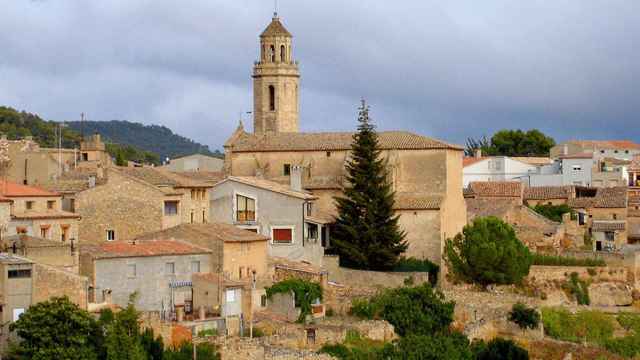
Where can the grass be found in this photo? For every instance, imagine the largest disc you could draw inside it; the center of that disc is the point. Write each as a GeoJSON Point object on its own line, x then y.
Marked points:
{"type": "Point", "coordinates": [591, 326]}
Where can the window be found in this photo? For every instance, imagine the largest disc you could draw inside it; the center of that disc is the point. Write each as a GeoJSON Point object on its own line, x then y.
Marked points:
{"type": "Point", "coordinates": [111, 235]}
{"type": "Point", "coordinates": [576, 168]}
{"type": "Point", "coordinates": [626, 151]}
{"type": "Point", "coordinates": [328, 153]}
{"type": "Point", "coordinates": [273, 53]}
{"type": "Point", "coordinates": [195, 266]}
{"type": "Point", "coordinates": [21, 230]}
{"type": "Point", "coordinates": [286, 169]}
{"type": "Point", "coordinates": [245, 209]}
{"type": "Point", "coordinates": [131, 270]}
{"type": "Point", "coordinates": [609, 235]}
{"type": "Point", "coordinates": [615, 151]}
{"type": "Point", "coordinates": [51, 204]}
{"type": "Point", "coordinates": [193, 194]}
{"type": "Point", "coordinates": [240, 272]}
{"type": "Point", "coordinates": [170, 268]}
{"type": "Point", "coordinates": [17, 312]}
{"type": "Point", "coordinates": [309, 208]}
{"type": "Point", "coordinates": [64, 236]}
{"type": "Point", "coordinates": [44, 232]}
{"type": "Point", "coordinates": [29, 205]}
{"type": "Point", "coordinates": [282, 235]}
{"type": "Point", "coordinates": [171, 208]}
{"type": "Point", "coordinates": [231, 295]}
{"type": "Point", "coordinates": [19, 274]}
{"type": "Point", "coordinates": [72, 205]}
{"type": "Point", "coordinates": [263, 300]}
{"type": "Point", "coordinates": [312, 231]}
{"type": "Point", "coordinates": [615, 216]}
{"type": "Point", "coordinates": [283, 54]}
{"type": "Point", "coordinates": [272, 98]}
{"type": "Point", "coordinates": [204, 217]}
{"type": "Point", "coordinates": [601, 151]}
{"type": "Point", "coordinates": [192, 216]}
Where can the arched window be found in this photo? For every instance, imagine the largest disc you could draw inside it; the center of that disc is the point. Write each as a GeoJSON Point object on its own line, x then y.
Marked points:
{"type": "Point", "coordinates": [283, 54]}
{"type": "Point", "coordinates": [263, 55]}
{"type": "Point", "coordinates": [273, 53]}
{"type": "Point", "coordinates": [272, 98]}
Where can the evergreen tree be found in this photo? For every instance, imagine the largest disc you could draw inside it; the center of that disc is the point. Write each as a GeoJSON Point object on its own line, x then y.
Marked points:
{"type": "Point", "coordinates": [366, 233]}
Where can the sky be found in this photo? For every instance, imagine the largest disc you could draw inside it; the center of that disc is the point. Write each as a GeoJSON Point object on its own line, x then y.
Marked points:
{"type": "Point", "coordinates": [446, 69]}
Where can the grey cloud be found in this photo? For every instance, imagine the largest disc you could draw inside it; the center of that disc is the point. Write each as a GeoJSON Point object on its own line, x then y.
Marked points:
{"type": "Point", "coordinates": [446, 69]}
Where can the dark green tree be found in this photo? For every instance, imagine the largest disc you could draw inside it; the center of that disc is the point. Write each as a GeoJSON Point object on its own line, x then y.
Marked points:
{"type": "Point", "coordinates": [366, 234]}
{"type": "Point", "coordinates": [499, 349]}
{"type": "Point", "coordinates": [55, 329]}
{"type": "Point", "coordinates": [488, 252]}
{"type": "Point", "coordinates": [451, 346]}
{"type": "Point", "coordinates": [512, 143]}
{"type": "Point", "coordinates": [204, 351]}
{"type": "Point", "coordinates": [525, 317]}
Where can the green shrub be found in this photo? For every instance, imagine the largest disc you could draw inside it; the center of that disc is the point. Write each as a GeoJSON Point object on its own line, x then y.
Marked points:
{"type": "Point", "coordinates": [418, 265]}
{"type": "Point", "coordinates": [627, 346]}
{"type": "Point", "coordinates": [304, 291]}
{"type": "Point", "coordinates": [488, 252]}
{"type": "Point", "coordinates": [525, 317]}
{"type": "Point", "coordinates": [329, 312]}
{"type": "Point", "coordinates": [208, 332]}
{"type": "Point", "coordinates": [499, 349]}
{"type": "Point", "coordinates": [339, 351]}
{"type": "Point", "coordinates": [438, 347]}
{"type": "Point", "coordinates": [592, 326]}
{"type": "Point", "coordinates": [579, 289]}
{"type": "Point", "coordinates": [552, 212]}
{"type": "Point", "coordinates": [592, 271]}
{"type": "Point", "coordinates": [550, 260]}
{"type": "Point", "coordinates": [629, 321]}
{"type": "Point", "coordinates": [417, 310]}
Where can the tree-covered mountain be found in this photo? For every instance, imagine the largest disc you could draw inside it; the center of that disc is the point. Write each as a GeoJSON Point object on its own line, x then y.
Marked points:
{"type": "Point", "coordinates": [157, 139]}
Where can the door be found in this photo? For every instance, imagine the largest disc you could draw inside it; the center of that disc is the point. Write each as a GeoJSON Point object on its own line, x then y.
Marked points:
{"type": "Point", "coordinates": [232, 303]}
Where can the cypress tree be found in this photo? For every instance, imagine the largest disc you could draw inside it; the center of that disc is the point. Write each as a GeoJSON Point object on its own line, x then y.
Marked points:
{"type": "Point", "coordinates": [366, 233]}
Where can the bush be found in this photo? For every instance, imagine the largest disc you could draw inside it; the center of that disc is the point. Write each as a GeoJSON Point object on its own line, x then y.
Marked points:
{"type": "Point", "coordinates": [488, 252]}
{"type": "Point", "coordinates": [304, 291]}
{"type": "Point", "coordinates": [418, 310]}
{"type": "Point", "coordinates": [499, 349]}
{"type": "Point", "coordinates": [438, 347]}
{"type": "Point", "coordinates": [417, 265]}
{"type": "Point", "coordinates": [552, 212]}
{"type": "Point", "coordinates": [592, 326]}
{"type": "Point", "coordinates": [628, 346]}
{"type": "Point", "coordinates": [550, 260]}
{"type": "Point", "coordinates": [525, 317]}
{"type": "Point", "coordinates": [629, 321]}
{"type": "Point", "coordinates": [579, 289]}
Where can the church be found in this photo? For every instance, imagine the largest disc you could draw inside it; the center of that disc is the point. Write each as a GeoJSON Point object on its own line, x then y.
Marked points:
{"type": "Point", "coordinates": [426, 173]}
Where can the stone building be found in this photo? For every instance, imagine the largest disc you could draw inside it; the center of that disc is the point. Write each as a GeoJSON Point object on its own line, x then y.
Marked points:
{"type": "Point", "coordinates": [48, 252]}
{"type": "Point", "coordinates": [236, 253]}
{"type": "Point", "coordinates": [195, 163]}
{"type": "Point", "coordinates": [426, 173]}
{"type": "Point", "coordinates": [493, 190]}
{"type": "Point", "coordinates": [283, 213]}
{"type": "Point", "coordinates": [547, 195]}
{"type": "Point", "coordinates": [159, 271]}
{"type": "Point", "coordinates": [34, 211]}
{"type": "Point", "coordinates": [619, 149]}
{"type": "Point", "coordinates": [127, 202]}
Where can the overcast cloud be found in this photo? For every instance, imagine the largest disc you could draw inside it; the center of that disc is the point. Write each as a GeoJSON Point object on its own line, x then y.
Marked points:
{"type": "Point", "coordinates": [448, 69]}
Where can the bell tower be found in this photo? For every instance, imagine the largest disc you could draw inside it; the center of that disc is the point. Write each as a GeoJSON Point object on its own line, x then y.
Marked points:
{"type": "Point", "coordinates": [275, 82]}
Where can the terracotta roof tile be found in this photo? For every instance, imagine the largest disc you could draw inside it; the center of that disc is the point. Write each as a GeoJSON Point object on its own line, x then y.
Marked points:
{"type": "Point", "coordinates": [547, 192]}
{"type": "Point", "coordinates": [608, 225]}
{"type": "Point", "coordinates": [216, 278]}
{"type": "Point", "coordinates": [607, 144]}
{"type": "Point", "coordinates": [205, 234]}
{"type": "Point", "coordinates": [10, 189]}
{"type": "Point", "coordinates": [470, 160]}
{"type": "Point", "coordinates": [28, 241]}
{"type": "Point", "coordinates": [332, 141]}
{"type": "Point", "coordinates": [416, 201]}
{"type": "Point", "coordinates": [208, 177]}
{"type": "Point", "coordinates": [120, 249]}
{"type": "Point", "coordinates": [496, 188]}
{"type": "Point", "coordinates": [162, 177]}
{"type": "Point", "coordinates": [45, 215]}
{"type": "Point", "coordinates": [613, 197]}
{"type": "Point", "coordinates": [271, 186]}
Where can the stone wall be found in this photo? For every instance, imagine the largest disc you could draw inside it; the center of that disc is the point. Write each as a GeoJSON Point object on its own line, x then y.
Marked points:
{"type": "Point", "coordinates": [351, 277]}
{"type": "Point", "coordinates": [50, 282]}
{"type": "Point", "coordinates": [538, 274]}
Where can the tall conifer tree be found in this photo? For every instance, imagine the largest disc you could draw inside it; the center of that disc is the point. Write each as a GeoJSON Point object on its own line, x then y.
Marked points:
{"type": "Point", "coordinates": [366, 233]}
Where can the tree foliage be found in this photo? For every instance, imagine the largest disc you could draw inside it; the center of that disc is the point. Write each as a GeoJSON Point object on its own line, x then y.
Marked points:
{"type": "Point", "coordinates": [18, 125]}
{"type": "Point", "coordinates": [411, 310]}
{"type": "Point", "coordinates": [499, 349]}
{"type": "Point", "coordinates": [488, 252]}
{"type": "Point", "coordinates": [366, 233]}
{"type": "Point", "coordinates": [525, 317]}
{"type": "Point", "coordinates": [305, 292]}
{"type": "Point", "coordinates": [552, 212]}
{"type": "Point", "coordinates": [512, 143]}
{"type": "Point", "coordinates": [437, 347]}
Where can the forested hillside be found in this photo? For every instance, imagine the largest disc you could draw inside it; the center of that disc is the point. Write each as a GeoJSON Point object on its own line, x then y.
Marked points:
{"type": "Point", "coordinates": [157, 139]}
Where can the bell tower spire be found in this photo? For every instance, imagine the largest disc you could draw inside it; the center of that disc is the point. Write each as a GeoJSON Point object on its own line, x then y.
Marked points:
{"type": "Point", "coordinates": [275, 82]}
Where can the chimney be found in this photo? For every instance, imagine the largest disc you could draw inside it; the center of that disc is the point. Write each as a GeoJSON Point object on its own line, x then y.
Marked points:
{"type": "Point", "coordinates": [296, 177]}
{"type": "Point", "coordinates": [478, 153]}
{"type": "Point", "coordinates": [106, 296]}
{"type": "Point", "coordinates": [565, 149]}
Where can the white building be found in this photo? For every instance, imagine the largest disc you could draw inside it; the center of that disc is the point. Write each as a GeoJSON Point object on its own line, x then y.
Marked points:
{"type": "Point", "coordinates": [195, 162]}
{"type": "Point", "coordinates": [495, 168]}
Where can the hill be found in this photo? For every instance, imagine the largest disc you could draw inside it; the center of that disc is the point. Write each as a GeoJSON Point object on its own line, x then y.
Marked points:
{"type": "Point", "coordinates": [154, 138]}
{"type": "Point", "coordinates": [20, 124]}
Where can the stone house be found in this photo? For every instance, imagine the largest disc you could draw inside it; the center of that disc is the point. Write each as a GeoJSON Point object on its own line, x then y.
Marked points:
{"type": "Point", "coordinates": [159, 271]}
{"type": "Point", "coordinates": [222, 296]}
{"type": "Point", "coordinates": [42, 251]}
{"type": "Point", "coordinates": [283, 213]}
{"type": "Point", "coordinates": [419, 167]}
{"type": "Point", "coordinates": [34, 211]}
{"type": "Point", "coordinates": [195, 163]}
{"type": "Point", "coordinates": [237, 253]}
{"type": "Point", "coordinates": [16, 291]}
{"type": "Point", "coordinates": [126, 202]}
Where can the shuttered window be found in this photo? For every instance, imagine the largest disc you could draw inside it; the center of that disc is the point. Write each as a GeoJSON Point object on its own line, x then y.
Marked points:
{"type": "Point", "coordinates": [283, 236]}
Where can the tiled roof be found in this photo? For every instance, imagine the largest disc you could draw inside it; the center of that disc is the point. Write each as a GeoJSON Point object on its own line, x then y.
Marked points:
{"type": "Point", "coordinates": [271, 186]}
{"type": "Point", "coordinates": [607, 144]}
{"type": "Point", "coordinates": [205, 234]}
{"type": "Point", "coordinates": [635, 163]}
{"type": "Point", "coordinates": [496, 188]}
{"type": "Point", "coordinates": [577, 156]}
{"type": "Point", "coordinates": [208, 177]}
{"type": "Point", "coordinates": [613, 197]}
{"type": "Point", "coordinates": [488, 207]}
{"type": "Point", "coordinates": [547, 192]}
{"type": "Point", "coordinates": [161, 177]}
{"type": "Point", "coordinates": [275, 28]}
{"type": "Point", "coordinates": [45, 215]}
{"type": "Point", "coordinates": [28, 241]}
{"type": "Point", "coordinates": [122, 249]}
{"type": "Point", "coordinates": [217, 278]}
{"type": "Point", "coordinates": [608, 225]}
{"type": "Point", "coordinates": [614, 161]}
{"type": "Point", "coordinates": [470, 160]}
{"type": "Point", "coordinates": [533, 160]}
{"type": "Point", "coordinates": [332, 141]}
{"type": "Point", "coordinates": [10, 189]}
{"type": "Point", "coordinates": [302, 266]}
{"type": "Point", "coordinates": [416, 201]}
